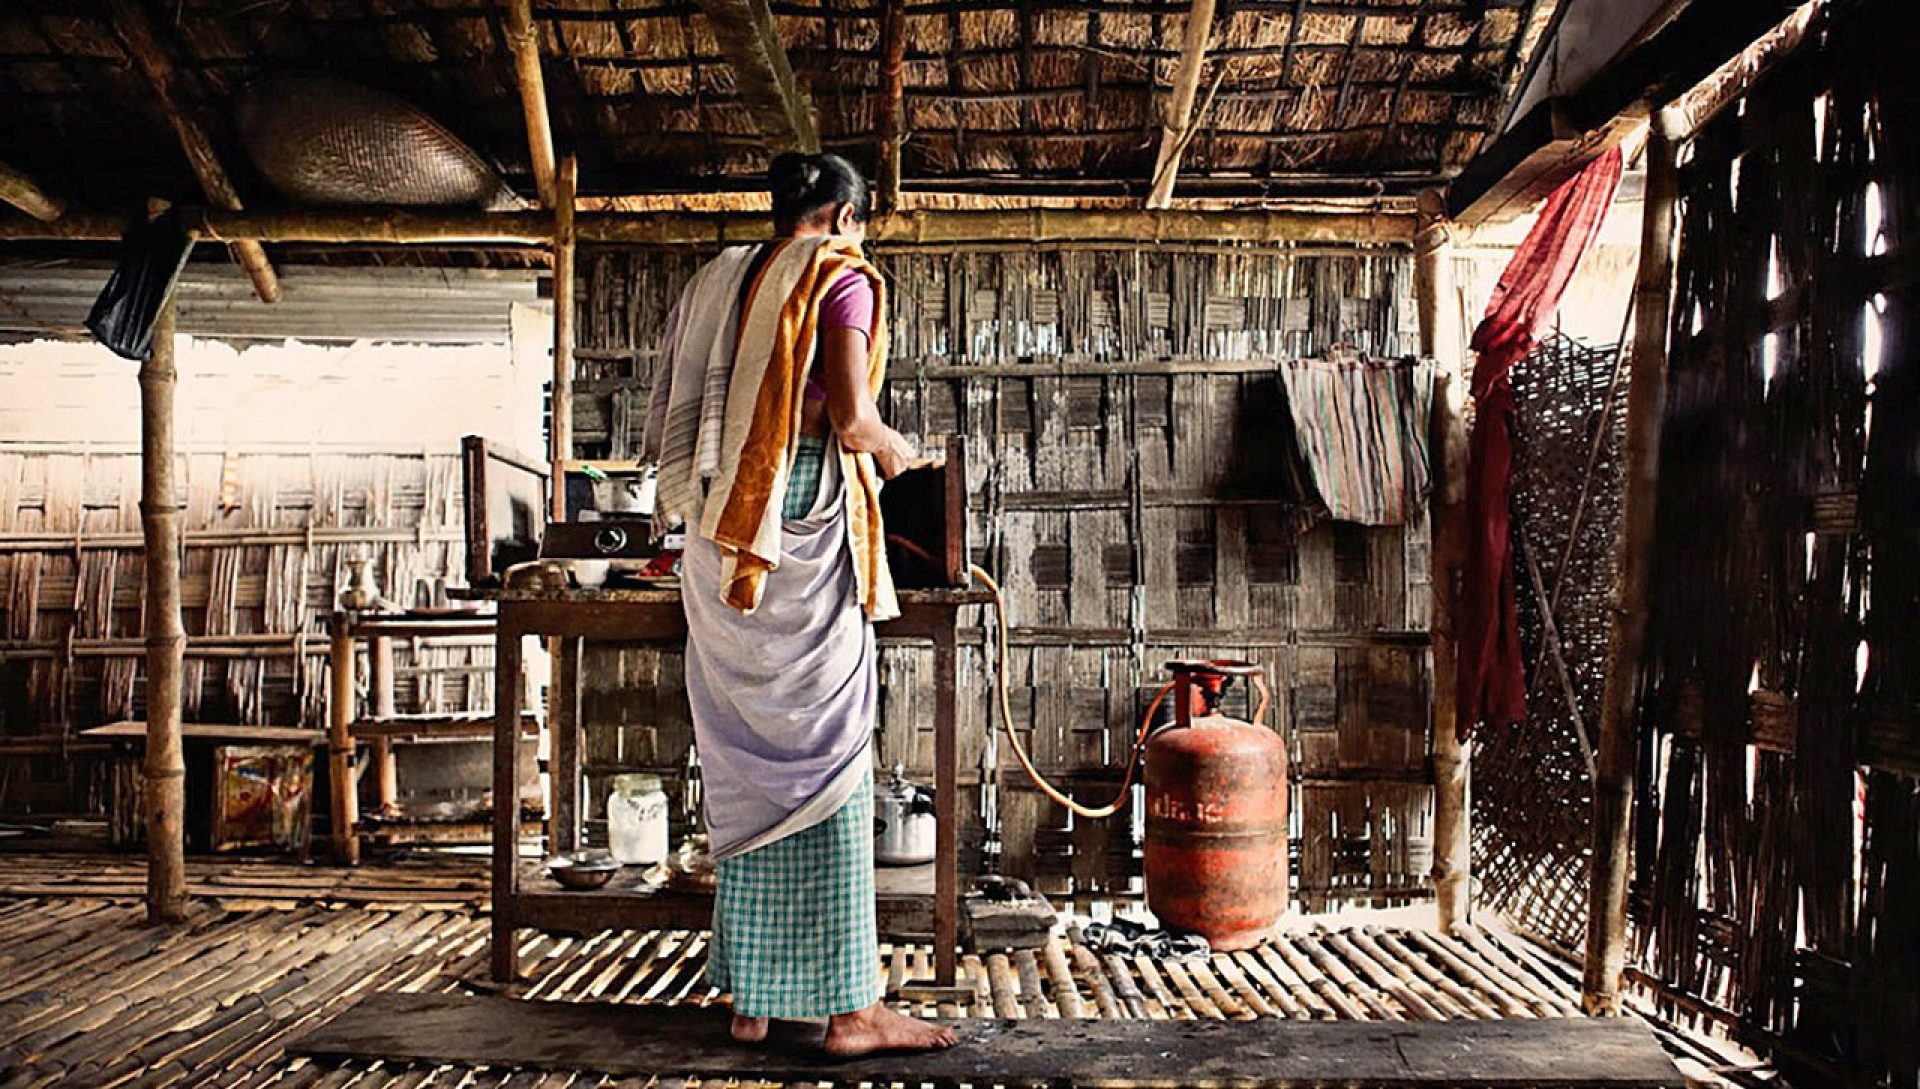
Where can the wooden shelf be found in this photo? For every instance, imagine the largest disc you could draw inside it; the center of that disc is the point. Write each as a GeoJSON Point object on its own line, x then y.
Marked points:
{"type": "Point", "coordinates": [427, 831]}
{"type": "Point", "coordinates": [133, 730]}
{"type": "Point", "coordinates": [403, 729]}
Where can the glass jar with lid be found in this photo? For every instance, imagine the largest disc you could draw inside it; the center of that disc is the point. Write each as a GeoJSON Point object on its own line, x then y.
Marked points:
{"type": "Point", "coordinates": [637, 820]}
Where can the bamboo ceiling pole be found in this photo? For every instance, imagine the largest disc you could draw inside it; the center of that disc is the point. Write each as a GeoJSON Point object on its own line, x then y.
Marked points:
{"type": "Point", "coordinates": [1606, 953]}
{"type": "Point", "coordinates": [1432, 292]}
{"type": "Point", "coordinates": [892, 107]}
{"type": "Point", "coordinates": [154, 63]}
{"type": "Point", "coordinates": [563, 247]}
{"type": "Point", "coordinates": [1178, 120]}
{"type": "Point", "coordinates": [405, 227]}
{"type": "Point", "coordinates": [165, 769]}
{"type": "Point", "coordinates": [524, 39]}
{"type": "Point", "coordinates": [21, 191]}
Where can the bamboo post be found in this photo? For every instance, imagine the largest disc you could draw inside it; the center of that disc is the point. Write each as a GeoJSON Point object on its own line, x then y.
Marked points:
{"type": "Point", "coordinates": [1626, 640]}
{"type": "Point", "coordinates": [345, 812]}
{"type": "Point", "coordinates": [166, 770]}
{"type": "Point", "coordinates": [524, 39]}
{"type": "Point", "coordinates": [1452, 850]}
{"type": "Point", "coordinates": [563, 248]}
{"type": "Point", "coordinates": [891, 111]}
{"type": "Point", "coordinates": [380, 683]}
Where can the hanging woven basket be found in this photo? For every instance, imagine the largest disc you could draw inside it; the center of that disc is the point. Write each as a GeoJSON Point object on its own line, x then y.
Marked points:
{"type": "Point", "coordinates": [325, 141]}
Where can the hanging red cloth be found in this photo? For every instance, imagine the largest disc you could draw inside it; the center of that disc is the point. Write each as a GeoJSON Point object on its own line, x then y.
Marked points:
{"type": "Point", "coordinates": [1492, 679]}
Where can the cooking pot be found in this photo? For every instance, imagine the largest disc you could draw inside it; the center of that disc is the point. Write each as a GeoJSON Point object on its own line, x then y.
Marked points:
{"type": "Point", "coordinates": [625, 494]}
{"type": "Point", "coordinates": [902, 821]}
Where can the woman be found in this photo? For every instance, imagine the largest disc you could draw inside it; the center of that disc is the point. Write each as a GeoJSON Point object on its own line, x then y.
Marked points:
{"type": "Point", "coordinates": [771, 450]}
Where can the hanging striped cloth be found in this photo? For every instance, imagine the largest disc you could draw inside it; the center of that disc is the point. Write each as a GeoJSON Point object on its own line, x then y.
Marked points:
{"type": "Point", "coordinates": [1362, 428]}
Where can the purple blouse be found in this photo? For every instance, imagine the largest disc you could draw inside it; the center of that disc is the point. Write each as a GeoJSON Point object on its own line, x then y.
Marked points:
{"type": "Point", "coordinates": [848, 305]}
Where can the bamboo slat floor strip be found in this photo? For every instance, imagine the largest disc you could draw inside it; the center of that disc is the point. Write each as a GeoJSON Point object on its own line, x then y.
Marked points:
{"type": "Point", "coordinates": [92, 997]}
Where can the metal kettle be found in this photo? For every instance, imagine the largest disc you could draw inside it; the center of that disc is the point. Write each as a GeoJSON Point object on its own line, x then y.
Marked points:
{"type": "Point", "coordinates": [903, 822]}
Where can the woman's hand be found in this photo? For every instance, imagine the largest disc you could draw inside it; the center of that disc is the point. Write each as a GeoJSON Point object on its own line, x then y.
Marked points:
{"type": "Point", "coordinates": [896, 455]}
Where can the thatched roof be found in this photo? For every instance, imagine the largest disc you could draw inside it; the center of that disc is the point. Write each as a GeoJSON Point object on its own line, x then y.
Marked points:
{"type": "Point", "coordinates": [1048, 97]}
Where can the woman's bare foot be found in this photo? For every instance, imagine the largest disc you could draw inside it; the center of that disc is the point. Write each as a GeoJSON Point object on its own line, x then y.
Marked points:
{"type": "Point", "coordinates": [878, 1028]}
{"type": "Point", "coordinates": [749, 1030]}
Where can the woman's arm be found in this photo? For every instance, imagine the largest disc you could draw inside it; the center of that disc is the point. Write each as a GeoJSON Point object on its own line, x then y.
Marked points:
{"type": "Point", "coordinates": [856, 419]}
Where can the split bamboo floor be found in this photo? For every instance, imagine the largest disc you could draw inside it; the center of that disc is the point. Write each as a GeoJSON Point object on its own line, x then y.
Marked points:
{"type": "Point", "coordinates": [89, 996]}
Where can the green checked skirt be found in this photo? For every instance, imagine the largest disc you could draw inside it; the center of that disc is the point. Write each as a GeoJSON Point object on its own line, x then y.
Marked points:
{"type": "Point", "coordinates": [803, 479]}
{"type": "Point", "coordinates": [794, 934]}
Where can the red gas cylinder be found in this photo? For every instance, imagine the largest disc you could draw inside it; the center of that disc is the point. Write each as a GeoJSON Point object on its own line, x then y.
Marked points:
{"type": "Point", "coordinates": [1216, 847]}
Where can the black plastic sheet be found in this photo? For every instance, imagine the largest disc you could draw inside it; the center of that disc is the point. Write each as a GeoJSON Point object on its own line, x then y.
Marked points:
{"type": "Point", "coordinates": [152, 254]}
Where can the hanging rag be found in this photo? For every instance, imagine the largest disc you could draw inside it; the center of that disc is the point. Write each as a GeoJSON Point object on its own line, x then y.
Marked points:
{"type": "Point", "coordinates": [1362, 428]}
{"type": "Point", "coordinates": [1492, 678]}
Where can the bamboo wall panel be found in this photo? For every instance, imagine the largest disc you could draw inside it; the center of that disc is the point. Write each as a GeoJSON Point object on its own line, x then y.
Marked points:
{"type": "Point", "coordinates": [1776, 871]}
{"type": "Point", "coordinates": [1135, 489]}
{"type": "Point", "coordinates": [1533, 790]}
{"type": "Point", "coordinates": [267, 537]}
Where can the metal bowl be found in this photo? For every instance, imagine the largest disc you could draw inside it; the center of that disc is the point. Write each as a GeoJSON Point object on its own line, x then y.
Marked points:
{"type": "Point", "coordinates": [582, 872]}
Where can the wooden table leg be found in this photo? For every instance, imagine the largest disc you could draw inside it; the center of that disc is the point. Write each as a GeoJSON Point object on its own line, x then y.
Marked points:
{"type": "Point", "coordinates": [386, 775]}
{"type": "Point", "coordinates": [563, 823]}
{"type": "Point", "coordinates": [343, 785]}
{"type": "Point", "coordinates": [506, 798]}
{"type": "Point", "coordinates": [946, 805]}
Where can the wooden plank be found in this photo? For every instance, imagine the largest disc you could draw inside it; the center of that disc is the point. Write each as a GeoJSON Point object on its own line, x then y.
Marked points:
{"type": "Point", "coordinates": [690, 1042]}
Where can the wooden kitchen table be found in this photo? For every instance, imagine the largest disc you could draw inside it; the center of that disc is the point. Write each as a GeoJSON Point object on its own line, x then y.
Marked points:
{"type": "Point", "coordinates": [655, 615]}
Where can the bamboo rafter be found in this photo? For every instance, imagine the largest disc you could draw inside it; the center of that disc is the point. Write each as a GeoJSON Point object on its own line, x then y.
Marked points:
{"type": "Point", "coordinates": [523, 36]}
{"type": "Point", "coordinates": [484, 229]}
{"type": "Point", "coordinates": [21, 191]}
{"type": "Point", "coordinates": [1178, 124]}
{"type": "Point", "coordinates": [780, 106]}
{"type": "Point", "coordinates": [155, 63]}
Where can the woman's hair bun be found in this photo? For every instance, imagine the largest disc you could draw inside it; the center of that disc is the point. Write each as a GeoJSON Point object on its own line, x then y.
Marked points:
{"type": "Point", "coordinates": [793, 175]}
{"type": "Point", "coordinates": [802, 184]}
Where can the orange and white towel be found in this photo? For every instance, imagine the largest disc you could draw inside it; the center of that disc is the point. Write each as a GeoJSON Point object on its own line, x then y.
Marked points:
{"type": "Point", "coordinates": [728, 482]}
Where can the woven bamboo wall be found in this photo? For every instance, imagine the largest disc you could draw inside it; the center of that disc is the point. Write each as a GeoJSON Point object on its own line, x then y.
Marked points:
{"type": "Point", "coordinates": [1533, 784]}
{"type": "Point", "coordinates": [1134, 486]}
{"type": "Point", "coordinates": [267, 537]}
{"type": "Point", "coordinates": [295, 458]}
{"type": "Point", "coordinates": [1777, 871]}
